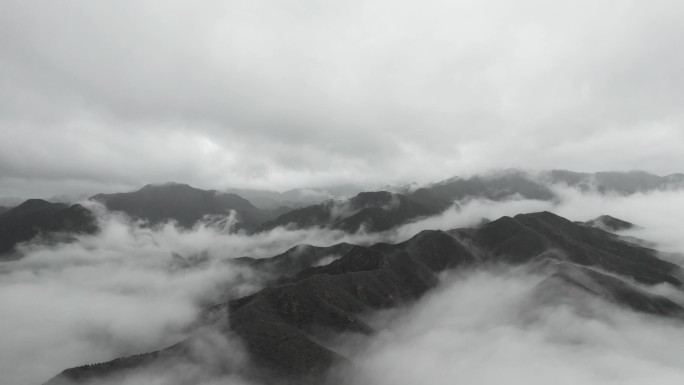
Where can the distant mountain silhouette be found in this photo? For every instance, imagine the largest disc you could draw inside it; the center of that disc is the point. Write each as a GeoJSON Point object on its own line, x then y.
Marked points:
{"type": "Point", "coordinates": [376, 212]}
{"type": "Point", "coordinates": [184, 204]}
{"type": "Point", "coordinates": [514, 183]}
{"type": "Point", "coordinates": [298, 197]}
{"type": "Point", "coordinates": [279, 325]}
{"type": "Point", "coordinates": [3, 209]}
{"type": "Point", "coordinates": [498, 186]}
{"type": "Point", "coordinates": [38, 217]}
{"type": "Point", "coordinates": [608, 223]}
{"type": "Point", "coordinates": [371, 211]}
{"type": "Point", "coordinates": [618, 182]}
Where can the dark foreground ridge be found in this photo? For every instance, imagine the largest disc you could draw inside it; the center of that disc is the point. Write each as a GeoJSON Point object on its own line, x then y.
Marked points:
{"type": "Point", "coordinates": [281, 325]}
{"type": "Point", "coordinates": [37, 217]}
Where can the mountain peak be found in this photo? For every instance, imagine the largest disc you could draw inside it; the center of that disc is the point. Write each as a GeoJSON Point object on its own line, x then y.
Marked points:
{"type": "Point", "coordinates": [167, 185]}
{"type": "Point", "coordinates": [184, 204]}
{"type": "Point", "coordinates": [32, 204]}
{"type": "Point", "coordinates": [608, 223]}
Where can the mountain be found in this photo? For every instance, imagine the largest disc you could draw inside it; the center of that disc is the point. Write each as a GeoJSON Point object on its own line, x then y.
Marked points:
{"type": "Point", "coordinates": [568, 280]}
{"type": "Point", "coordinates": [67, 198]}
{"type": "Point", "coordinates": [267, 199]}
{"type": "Point", "coordinates": [3, 209]}
{"type": "Point", "coordinates": [299, 197]}
{"type": "Point", "coordinates": [512, 183]}
{"type": "Point", "coordinates": [497, 186]}
{"type": "Point", "coordinates": [184, 204]}
{"type": "Point", "coordinates": [625, 183]}
{"type": "Point", "coordinates": [375, 211]}
{"type": "Point", "coordinates": [282, 326]}
{"type": "Point", "coordinates": [372, 211]}
{"type": "Point", "coordinates": [608, 223]}
{"type": "Point", "coordinates": [38, 217]}
{"type": "Point", "coordinates": [295, 259]}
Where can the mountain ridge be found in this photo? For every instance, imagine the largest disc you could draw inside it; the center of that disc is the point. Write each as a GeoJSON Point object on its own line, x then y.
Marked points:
{"type": "Point", "coordinates": [36, 217]}
{"type": "Point", "coordinates": [371, 211]}
{"type": "Point", "coordinates": [369, 278]}
{"type": "Point", "coordinates": [184, 204]}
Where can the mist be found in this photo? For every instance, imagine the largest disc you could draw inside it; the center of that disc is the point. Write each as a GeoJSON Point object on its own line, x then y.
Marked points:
{"type": "Point", "coordinates": [132, 288]}
{"type": "Point", "coordinates": [118, 293]}
{"type": "Point", "coordinates": [266, 94]}
{"type": "Point", "coordinates": [328, 99]}
{"type": "Point", "coordinates": [486, 327]}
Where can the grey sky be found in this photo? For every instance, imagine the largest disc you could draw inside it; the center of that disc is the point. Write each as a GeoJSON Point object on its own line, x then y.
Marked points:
{"type": "Point", "coordinates": [104, 96]}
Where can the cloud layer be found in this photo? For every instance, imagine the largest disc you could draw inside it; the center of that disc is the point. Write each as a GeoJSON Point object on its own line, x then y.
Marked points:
{"type": "Point", "coordinates": [132, 289]}
{"type": "Point", "coordinates": [484, 328]}
{"type": "Point", "coordinates": [266, 94]}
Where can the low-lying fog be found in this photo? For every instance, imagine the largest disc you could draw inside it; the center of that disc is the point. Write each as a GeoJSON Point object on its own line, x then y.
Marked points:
{"type": "Point", "coordinates": [131, 289]}
{"type": "Point", "coordinates": [485, 328]}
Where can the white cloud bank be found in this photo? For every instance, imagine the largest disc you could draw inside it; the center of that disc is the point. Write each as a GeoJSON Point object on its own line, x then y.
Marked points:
{"type": "Point", "coordinates": [123, 292]}
{"type": "Point", "coordinates": [279, 95]}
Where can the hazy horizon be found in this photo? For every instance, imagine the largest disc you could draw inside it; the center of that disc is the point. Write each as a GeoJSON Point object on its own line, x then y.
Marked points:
{"type": "Point", "coordinates": [272, 95]}
{"type": "Point", "coordinates": [555, 278]}
{"type": "Point", "coordinates": [340, 189]}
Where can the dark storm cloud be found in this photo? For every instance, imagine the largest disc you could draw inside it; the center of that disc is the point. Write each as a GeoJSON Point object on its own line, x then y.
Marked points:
{"type": "Point", "coordinates": [272, 94]}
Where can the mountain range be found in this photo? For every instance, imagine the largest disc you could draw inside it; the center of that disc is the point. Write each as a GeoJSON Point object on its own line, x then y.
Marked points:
{"type": "Point", "coordinates": [298, 197]}
{"type": "Point", "coordinates": [364, 211]}
{"type": "Point", "coordinates": [312, 294]}
{"type": "Point", "coordinates": [39, 218]}
{"type": "Point", "coordinates": [370, 211]}
{"type": "Point", "coordinates": [512, 183]}
{"type": "Point", "coordinates": [185, 204]}
{"type": "Point", "coordinates": [283, 325]}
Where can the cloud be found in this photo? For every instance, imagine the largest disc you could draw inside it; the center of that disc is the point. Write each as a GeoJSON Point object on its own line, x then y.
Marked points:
{"type": "Point", "coordinates": [127, 290]}
{"type": "Point", "coordinates": [210, 355]}
{"type": "Point", "coordinates": [483, 328]}
{"type": "Point", "coordinates": [132, 289]}
{"type": "Point", "coordinates": [273, 95]}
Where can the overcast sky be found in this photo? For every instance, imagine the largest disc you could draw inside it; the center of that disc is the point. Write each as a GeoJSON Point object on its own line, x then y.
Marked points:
{"type": "Point", "coordinates": [111, 95]}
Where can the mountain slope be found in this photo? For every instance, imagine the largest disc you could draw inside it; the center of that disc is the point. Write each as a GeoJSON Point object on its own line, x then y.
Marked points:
{"type": "Point", "coordinates": [371, 211]}
{"type": "Point", "coordinates": [608, 223]}
{"type": "Point", "coordinates": [568, 279]}
{"type": "Point", "coordinates": [534, 237]}
{"type": "Point", "coordinates": [625, 183]}
{"type": "Point", "coordinates": [299, 197]}
{"type": "Point", "coordinates": [514, 183]}
{"type": "Point", "coordinates": [36, 216]}
{"type": "Point", "coordinates": [279, 325]}
{"type": "Point", "coordinates": [295, 259]}
{"type": "Point", "coordinates": [184, 204]}
{"type": "Point", "coordinates": [498, 186]}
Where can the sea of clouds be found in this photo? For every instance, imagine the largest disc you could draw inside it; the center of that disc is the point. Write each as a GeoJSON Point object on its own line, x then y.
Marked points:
{"type": "Point", "coordinates": [132, 289]}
